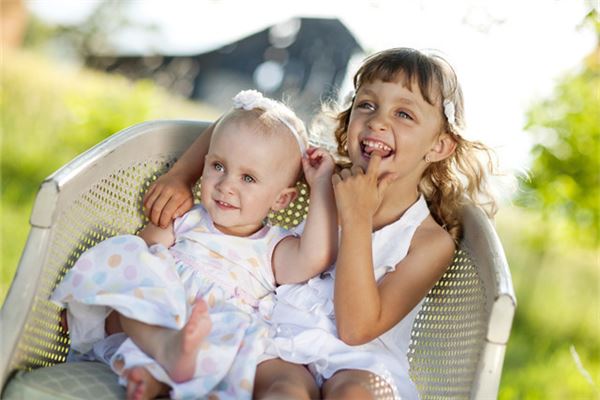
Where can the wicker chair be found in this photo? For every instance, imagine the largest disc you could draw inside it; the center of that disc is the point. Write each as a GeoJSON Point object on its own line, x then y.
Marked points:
{"type": "Point", "coordinates": [458, 340]}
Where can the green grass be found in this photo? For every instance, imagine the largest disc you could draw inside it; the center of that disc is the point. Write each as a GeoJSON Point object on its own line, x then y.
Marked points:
{"type": "Point", "coordinates": [557, 286]}
{"type": "Point", "coordinates": [52, 113]}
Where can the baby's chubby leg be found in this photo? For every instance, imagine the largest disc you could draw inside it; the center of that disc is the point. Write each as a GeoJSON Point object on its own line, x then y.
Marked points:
{"type": "Point", "coordinates": [174, 350]}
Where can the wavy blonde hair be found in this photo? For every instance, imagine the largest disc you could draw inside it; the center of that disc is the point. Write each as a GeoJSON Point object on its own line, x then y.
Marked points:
{"type": "Point", "coordinates": [451, 183]}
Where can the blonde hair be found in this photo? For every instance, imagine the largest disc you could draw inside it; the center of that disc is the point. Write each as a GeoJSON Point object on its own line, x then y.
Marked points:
{"type": "Point", "coordinates": [277, 119]}
{"type": "Point", "coordinates": [461, 178]}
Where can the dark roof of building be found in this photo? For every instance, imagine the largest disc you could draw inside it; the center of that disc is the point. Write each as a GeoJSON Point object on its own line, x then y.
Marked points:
{"type": "Point", "coordinates": [301, 61]}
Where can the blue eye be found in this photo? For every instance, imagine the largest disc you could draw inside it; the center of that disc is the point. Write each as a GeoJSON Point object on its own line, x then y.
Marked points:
{"type": "Point", "coordinates": [219, 167]}
{"type": "Point", "coordinates": [366, 105]}
{"type": "Point", "coordinates": [404, 115]}
{"type": "Point", "coordinates": [248, 179]}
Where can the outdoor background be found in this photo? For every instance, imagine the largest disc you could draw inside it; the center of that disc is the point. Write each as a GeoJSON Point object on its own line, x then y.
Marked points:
{"type": "Point", "coordinates": [531, 75]}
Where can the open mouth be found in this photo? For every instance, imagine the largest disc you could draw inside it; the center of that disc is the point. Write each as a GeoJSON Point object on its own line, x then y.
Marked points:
{"type": "Point", "coordinates": [225, 206]}
{"type": "Point", "coordinates": [369, 147]}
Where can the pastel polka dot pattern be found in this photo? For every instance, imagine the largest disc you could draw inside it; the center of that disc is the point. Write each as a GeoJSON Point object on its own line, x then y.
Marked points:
{"type": "Point", "coordinates": [114, 260]}
{"type": "Point", "coordinates": [158, 286]}
{"type": "Point", "coordinates": [246, 385]}
{"type": "Point", "coordinates": [147, 282]}
{"type": "Point", "coordinates": [77, 279]}
{"type": "Point", "coordinates": [120, 239]}
{"type": "Point", "coordinates": [130, 272]}
{"type": "Point", "coordinates": [99, 277]}
{"type": "Point", "coordinates": [85, 264]}
{"type": "Point", "coordinates": [131, 246]}
{"type": "Point", "coordinates": [146, 258]}
{"type": "Point", "coordinates": [253, 262]}
{"type": "Point", "coordinates": [208, 366]}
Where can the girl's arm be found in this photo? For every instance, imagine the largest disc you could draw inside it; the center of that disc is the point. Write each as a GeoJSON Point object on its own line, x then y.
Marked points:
{"type": "Point", "coordinates": [297, 259]}
{"type": "Point", "coordinates": [171, 194]}
{"type": "Point", "coordinates": [364, 308]}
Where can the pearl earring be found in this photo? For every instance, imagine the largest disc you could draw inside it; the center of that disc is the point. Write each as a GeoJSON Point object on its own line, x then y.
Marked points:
{"type": "Point", "coordinates": [427, 160]}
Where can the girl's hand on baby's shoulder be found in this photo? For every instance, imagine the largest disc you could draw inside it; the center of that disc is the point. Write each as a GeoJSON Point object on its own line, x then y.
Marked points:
{"type": "Point", "coordinates": [318, 166]}
{"type": "Point", "coordinates": [168, 198]}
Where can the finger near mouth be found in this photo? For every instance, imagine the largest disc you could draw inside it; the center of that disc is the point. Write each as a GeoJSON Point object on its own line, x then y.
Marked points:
{"type": "Point", "coordinates": [368, 152]}
{"type": "Point", "coordinates": [380, 153]}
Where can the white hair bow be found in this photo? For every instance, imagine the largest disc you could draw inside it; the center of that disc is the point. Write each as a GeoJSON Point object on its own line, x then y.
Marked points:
{"type": "Point", "coordinates": [251, 99]}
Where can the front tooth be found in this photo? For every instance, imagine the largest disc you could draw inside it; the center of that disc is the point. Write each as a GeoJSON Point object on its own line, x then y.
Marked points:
{"type": "Point", "coordinates": [379, 145]}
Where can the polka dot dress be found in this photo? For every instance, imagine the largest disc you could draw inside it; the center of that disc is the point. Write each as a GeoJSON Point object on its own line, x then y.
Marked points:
{"type": "Point", "coordinates": [158, 286]}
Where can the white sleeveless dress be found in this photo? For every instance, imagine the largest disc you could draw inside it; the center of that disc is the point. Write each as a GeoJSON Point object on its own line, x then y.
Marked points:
{"type": "Point", "coordinates": [303, 320]}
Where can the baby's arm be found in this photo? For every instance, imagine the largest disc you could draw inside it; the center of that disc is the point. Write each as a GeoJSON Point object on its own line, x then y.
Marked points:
{"type": "Point", "coordinates": [153, 234]}
{"type": "Point", "coordinates": [170, 196]}
{"type": "Point", "coordinates": [297, 259]}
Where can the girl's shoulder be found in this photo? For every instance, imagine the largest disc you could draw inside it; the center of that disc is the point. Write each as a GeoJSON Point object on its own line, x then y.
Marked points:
{"type": "Point", "coordinates": [431, 237]}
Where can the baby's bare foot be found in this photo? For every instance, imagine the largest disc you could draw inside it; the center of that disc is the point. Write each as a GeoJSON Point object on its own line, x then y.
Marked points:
{"type": "Point", "coordinates": [180, 354]}
{"type": "Point", "coordinates": [141, 385]}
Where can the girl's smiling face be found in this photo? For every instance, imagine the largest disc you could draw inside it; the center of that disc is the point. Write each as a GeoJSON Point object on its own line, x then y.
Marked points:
{"type": "Point", "coordinates": [398, 123]}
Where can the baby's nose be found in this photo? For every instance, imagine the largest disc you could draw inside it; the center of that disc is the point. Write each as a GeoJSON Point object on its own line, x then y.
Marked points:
{"type": "Point", "coordinates": [226, 185]}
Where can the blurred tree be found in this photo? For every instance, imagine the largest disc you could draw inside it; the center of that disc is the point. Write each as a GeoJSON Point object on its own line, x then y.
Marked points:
{"type": "Point", "coordinates": [94, 35]}
{"type": "Point", "coordinates": [564, 182]}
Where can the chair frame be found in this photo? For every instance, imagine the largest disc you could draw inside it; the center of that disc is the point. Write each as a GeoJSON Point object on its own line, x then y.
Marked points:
{"type": "Point", "coordinates": [169, 138]}
{"type": "Point", "coordinates": [480, 234]}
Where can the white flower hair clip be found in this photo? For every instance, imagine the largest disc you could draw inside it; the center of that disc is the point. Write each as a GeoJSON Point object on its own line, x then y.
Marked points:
{"type": "Point", "coordinates": [251, 99]}
{"type": "Point", "coordinates": [449, 112]}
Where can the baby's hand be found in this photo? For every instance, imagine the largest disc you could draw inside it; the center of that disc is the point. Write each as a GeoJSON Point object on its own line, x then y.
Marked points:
{"type": "Point", "coordinates": [168, 198]}
{"type": "Point", "coordinates": [318, 166]}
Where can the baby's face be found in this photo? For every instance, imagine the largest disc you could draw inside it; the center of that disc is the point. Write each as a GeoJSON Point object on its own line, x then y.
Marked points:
{"type": "Point", "coordinates": [244, 173]}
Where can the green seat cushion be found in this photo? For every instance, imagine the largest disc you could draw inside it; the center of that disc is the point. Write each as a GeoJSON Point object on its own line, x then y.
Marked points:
{"type": "Point", "coordinates": [77, 380]}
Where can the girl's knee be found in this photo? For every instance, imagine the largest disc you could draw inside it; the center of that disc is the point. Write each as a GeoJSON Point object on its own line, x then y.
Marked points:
{"type": "Point", "coordinates": [350, 390]}
{"type": "Point", "coordinates": [276, 379]}
{"type": "Point", "coordinates": [357, 385]}
{"type": "Point", "coordinates": [288, 390]}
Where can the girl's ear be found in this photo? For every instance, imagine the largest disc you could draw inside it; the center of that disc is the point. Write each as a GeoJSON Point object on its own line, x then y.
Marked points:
{"type": "Point", "coordinates": [443, 148]}
{"type": "Point", "coordinates": [284, 198]}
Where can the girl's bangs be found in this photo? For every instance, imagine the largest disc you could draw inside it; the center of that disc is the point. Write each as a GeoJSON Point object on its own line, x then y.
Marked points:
{"type": "Point", "coordinates": [405, 68]}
